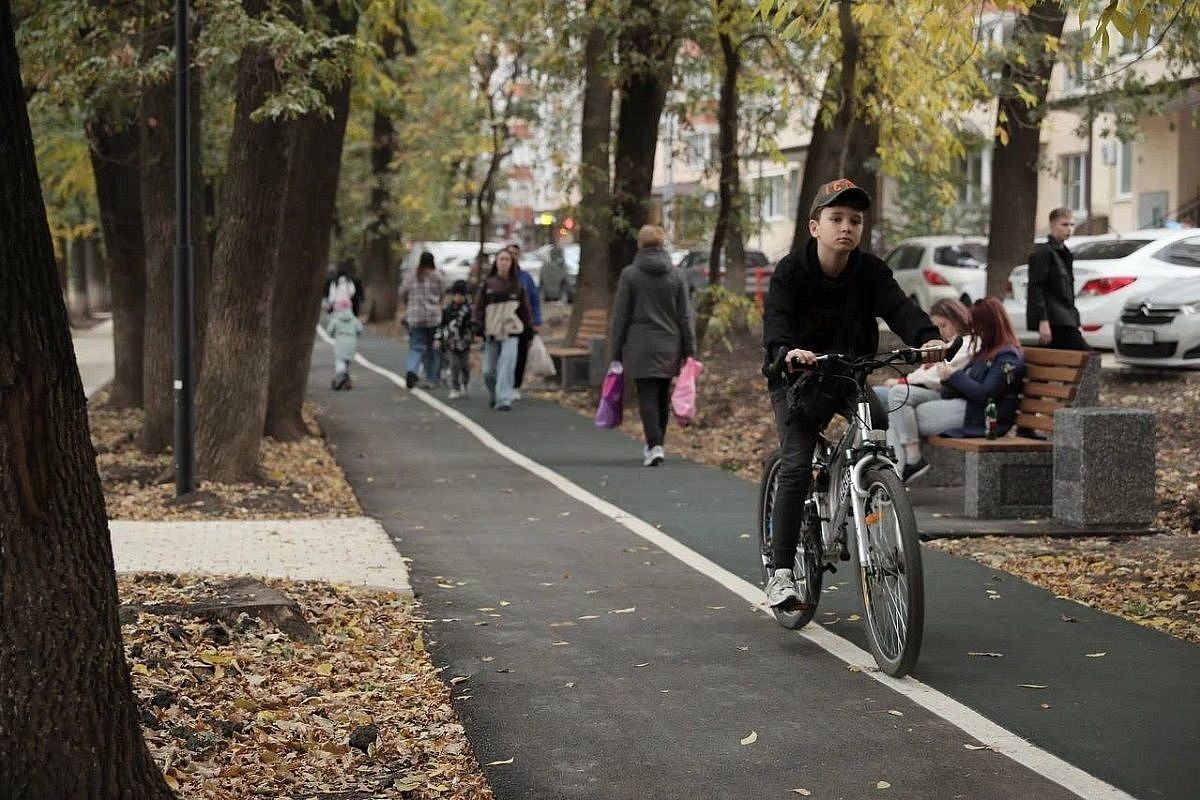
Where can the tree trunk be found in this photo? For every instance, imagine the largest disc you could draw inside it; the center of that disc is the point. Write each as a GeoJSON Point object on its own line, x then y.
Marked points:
{"type": "Point", "coordinates": [381, 271]}
{"type": "Point", "coordinates": [77, 281]}
{"type": "Point", "coordinates": [157, 115]}
{"type": "Point", "coordinates": [99, 300]}
{"type": "Point", "coordinates": [595, 210]}
{"type": "Point", "coordinates": [1015, 152]}
{"type": "Point", "coordinates": [314, 162]}
{"type": "Point", "coordinates": [231, 392]}
{"type": "Point", "coordinates": [116, 164]}
{"type": "Point", "coordinates": [643, 95]}
{"type": "Point", "coordinates": [68, 719]}
{"type": "Point", "coordinates": [846, 148]}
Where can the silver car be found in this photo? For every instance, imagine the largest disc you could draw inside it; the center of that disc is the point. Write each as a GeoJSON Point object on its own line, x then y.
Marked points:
{"type": "Point", "coordinates": [1162, 328]}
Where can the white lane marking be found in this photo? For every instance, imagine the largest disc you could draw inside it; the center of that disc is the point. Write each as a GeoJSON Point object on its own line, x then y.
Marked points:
{"type": "Point", "coordinates": [969, 721]}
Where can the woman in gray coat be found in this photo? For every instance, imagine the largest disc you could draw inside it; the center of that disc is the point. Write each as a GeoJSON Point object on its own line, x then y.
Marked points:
{"type": "Point", "coordinates": [652, 333]}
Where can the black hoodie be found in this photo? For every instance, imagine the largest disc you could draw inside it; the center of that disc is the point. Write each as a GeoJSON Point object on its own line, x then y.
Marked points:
{"type": "Point", "coordinates": [807, 310]}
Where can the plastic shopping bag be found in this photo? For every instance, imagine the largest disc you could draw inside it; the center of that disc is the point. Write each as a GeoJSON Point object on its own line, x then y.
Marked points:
{"type": "Point", "coordinates": [539, 362]}
{"type": "Point", "coordinates": [612, 408]}
{"type": "Point", "coordinates": [683, 398]}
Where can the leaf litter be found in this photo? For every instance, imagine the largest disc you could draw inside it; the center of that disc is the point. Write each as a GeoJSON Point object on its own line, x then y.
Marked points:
{"type": "Point", "coordinates": [245, 711]}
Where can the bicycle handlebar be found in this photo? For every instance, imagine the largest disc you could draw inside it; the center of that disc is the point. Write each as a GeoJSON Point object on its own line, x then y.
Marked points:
{"type": "Point", "coordinates": [910, 355]}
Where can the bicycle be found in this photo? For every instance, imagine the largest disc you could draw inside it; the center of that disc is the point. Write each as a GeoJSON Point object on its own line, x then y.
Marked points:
{"type": "Point", "coordinates": [854, 478]}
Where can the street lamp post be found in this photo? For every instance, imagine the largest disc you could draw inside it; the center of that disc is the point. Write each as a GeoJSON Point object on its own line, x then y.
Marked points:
{"type": "Point", "coordinates": [185, 460]}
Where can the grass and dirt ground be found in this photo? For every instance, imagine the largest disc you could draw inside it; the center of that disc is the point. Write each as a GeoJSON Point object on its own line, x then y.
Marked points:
{"type": "Point", "coordinates": [1152, 580]}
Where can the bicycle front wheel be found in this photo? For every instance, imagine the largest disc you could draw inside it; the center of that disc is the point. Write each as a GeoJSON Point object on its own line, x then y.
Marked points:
{"type": "Point", "coordinates": [891, 581]}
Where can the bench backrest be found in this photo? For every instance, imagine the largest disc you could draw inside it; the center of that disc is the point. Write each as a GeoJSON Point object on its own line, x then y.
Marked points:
{"type": "Point", "coordinates": [593, 325]}
{"type": "Point", "coordinates": [1052, 379]}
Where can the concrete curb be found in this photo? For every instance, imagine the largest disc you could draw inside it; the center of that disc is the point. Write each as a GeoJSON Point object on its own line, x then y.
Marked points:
{"type": "Point", "coordinates": [349, 550]}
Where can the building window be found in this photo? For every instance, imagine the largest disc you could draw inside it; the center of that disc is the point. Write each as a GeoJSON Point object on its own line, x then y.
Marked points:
{"type": "Point", "coordinates": [970, 171]}
{"type": "Point", "coordinates": [772, 197]}
{"type": "Point", "coordinates": [1125, 169]}
{"type": "Point", "coordinates": [1072, 172]}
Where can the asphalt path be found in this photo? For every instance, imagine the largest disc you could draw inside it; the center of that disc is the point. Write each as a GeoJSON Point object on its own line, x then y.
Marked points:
{"type": "Point", "coordinates": [590, 699]}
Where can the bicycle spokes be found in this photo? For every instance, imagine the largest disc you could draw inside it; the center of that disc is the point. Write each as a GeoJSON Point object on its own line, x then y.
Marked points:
{"type": "Point", "coordinates": [887, 589]}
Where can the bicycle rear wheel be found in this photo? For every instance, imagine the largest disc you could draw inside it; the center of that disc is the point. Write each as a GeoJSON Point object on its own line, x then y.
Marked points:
{"type": "Point", "coordinates": [806, 557]}
{"type": "Point", "coordinates": [891, 582]}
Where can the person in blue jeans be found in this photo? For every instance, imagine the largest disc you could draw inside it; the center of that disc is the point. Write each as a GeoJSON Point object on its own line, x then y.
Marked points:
{"type": "Point", "coordinates": [422, 294]}
{"type": "Point", "coordinates": [502, 313]}
{"type": "Point", "coordinates": [535, 308]}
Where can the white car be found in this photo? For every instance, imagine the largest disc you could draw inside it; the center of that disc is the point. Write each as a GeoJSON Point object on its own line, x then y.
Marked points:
{"type": "Point", "coordinates": [1112, 271]}
{"type": "Point", "coordinates": [1162, 328]}
{"type": "Point", "coordinates": [929, 268]}
{"type": "Point", "coordinates": [453, 259]}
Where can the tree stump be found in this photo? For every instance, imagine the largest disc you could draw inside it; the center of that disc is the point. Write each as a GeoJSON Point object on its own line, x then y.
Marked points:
{"type": "Point", "coordinates": [244, 596]}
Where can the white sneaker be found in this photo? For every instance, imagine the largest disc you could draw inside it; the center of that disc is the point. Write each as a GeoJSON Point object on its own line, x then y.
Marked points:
{"type": "Point", "coordinates": [454, 394]}
{"type": "Point", "coordinates": [781, 589]}
{"type": "Point", "coordinates": [652, 456]}
{"type": "Point", "coordinates": [516, 394]}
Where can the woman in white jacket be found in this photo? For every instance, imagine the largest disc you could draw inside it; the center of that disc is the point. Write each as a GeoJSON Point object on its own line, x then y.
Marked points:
{"type": "Point", "coordinates": [905, 396]}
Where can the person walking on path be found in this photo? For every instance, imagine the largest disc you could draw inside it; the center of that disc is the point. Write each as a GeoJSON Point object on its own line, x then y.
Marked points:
{"type": "Point", "coordinates": [535, 308]}
{"type": "Point", "coordinates": [422, 294]}
{"type": "Point", "coordinates": [454, 337]}
{"type": "Point", "coordinates": [826, 298]}
{"type": "Point", "coordinates": [652, 334]}
{"type": "Point", "coordinates": [1050, 301]}
{"type": "Point", "coordinates": [345, 328]}
{"type": "Point", "coordinates": [904, 396]}
{"type": "Point", "coordinates": [502, 313]}
{"type": "Point", "coordinates": [343, 285]}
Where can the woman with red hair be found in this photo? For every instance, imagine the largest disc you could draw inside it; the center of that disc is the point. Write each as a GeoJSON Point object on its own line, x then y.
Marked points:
{"type": "Point", "coordinates": [993, 373]}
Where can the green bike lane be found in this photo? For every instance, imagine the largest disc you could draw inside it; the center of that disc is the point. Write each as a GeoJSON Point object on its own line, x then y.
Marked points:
{"type": "Point", "coordinates": [1128, 717]}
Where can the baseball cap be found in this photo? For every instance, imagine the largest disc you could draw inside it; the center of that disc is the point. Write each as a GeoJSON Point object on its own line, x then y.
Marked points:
{"type": "Point", "coordinates": [842, 192]}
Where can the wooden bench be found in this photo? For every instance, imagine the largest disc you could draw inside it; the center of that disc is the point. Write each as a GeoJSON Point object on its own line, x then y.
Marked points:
{"type": "Point", "coordinates": [578, 364]}
{"type": "Point", "coordinates": [1013, 476]}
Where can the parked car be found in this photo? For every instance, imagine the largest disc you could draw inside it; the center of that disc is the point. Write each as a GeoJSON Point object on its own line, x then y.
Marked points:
{"type": "Point", "coordinates": [1111, 272]}
{"type": "Point", "coordinates": [695, 267]}
{"type": "Point", "coordinates": [453, 258]}
{"type": "Point", "coordinates": [560, 271]}
{"type": "Point", "coordinates": [1162, 328]}
{"type": "Point", "coordinates": [929, 268]}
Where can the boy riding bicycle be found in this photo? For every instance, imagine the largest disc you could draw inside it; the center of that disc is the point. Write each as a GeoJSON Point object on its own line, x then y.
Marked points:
{"type": "Point", "coordinates": [825, 298]}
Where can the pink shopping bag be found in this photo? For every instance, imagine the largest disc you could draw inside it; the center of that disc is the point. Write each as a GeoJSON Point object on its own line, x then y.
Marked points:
{"type": "Point", "coordinates": [683, 398]}
{"type": "Point", "coordinates": [612, 408]}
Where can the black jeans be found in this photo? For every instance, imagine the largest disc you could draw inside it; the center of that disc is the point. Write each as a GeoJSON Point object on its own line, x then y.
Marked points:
{"type": "Point", "coordinates": [797, 441]}
{"type": "Point", "coordinates": [654, 403]}
{"type": "Point", "coordinates": [1066, 337]}
{"type": "Point", "coordinates": [523, 343]}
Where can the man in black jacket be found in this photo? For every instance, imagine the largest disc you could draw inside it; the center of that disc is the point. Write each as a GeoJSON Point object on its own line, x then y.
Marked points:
{"type": "Point", "coordinates": [825, 298]}
{"type": "Point", "coordinates": [1050, 302]}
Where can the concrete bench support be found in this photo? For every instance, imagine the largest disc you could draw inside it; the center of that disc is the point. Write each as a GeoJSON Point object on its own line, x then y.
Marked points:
{"type": "Point", "coordinates": [1007, 484]}
{"type": "Point", "coordinates": [1104, 462]}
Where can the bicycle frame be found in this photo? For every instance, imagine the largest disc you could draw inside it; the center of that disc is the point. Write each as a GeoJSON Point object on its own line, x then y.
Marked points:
{"type": "Point", "coordinates": [861, 446]}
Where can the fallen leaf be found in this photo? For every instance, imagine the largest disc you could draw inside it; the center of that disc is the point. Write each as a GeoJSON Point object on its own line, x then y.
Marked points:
{"type": "Point", "coordinates": [1033, 685]}
{"type": "Point", "coordinates": [590, 616]}
{"type": "Point", "coordinates": [458, 679]}
{"type": "Point", "coordinates": [751, 738]}
{"type": "Point", "coordinates": [1045, 705]}
{"type": "Point", "coordinates": [883, 785]}
{"type": "Point", "coordinates": [802, 792]}
{"type": "Point", "coordinates": [976, 747]}
{"type": "Point", "coordinates": [895, 713]}
{"type": "Point", "coordinates": [570, 685]}
{"type": "Point", "coordinates": [743, 647]}
{"type": "Point", "coordinates": [499, 763]}
{"type": "Point", "coordinates": [1096, 655]}
{"type": "Point", "coordinates": [324, 669]}
{"type": "Point", "coordinates": [629, 610]}
{"type": "Point", "coordinates": [646, 664]}
{"type": "Point", "coordinates": [854, 617]}
{"type": "Point", "coordinates": [559, 644]}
